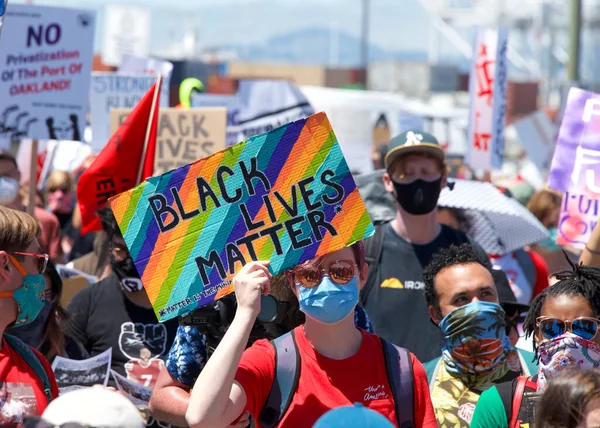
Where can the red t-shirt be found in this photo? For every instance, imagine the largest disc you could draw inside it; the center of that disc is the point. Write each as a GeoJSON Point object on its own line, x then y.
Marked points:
{"type": "Point", "coordinates": [326, 384]}
{"type": "Point", "coordinates": [21, 391]}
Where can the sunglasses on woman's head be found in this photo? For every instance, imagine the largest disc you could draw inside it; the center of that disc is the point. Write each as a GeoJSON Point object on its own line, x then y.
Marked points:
{"type": "Point", "coordinates": [42, 259]}
{"type": "Point", "coordinates": [340, 271]}
{"type": "Point", "coordinates": [551, 328]}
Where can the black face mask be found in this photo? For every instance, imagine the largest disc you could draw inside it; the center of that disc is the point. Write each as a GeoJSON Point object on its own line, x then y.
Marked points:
{"type": "Point", "coordinates": [419, 197]}
{"type": "Point", "coordinates": [128, 275]}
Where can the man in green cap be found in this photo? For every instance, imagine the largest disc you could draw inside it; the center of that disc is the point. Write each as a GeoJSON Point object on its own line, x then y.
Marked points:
{"type": "Point", "coordinates": [416, 172]}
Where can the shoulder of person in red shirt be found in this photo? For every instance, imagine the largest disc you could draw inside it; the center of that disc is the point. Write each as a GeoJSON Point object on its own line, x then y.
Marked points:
{"type": "Point", "coordinates": [541, 273]}
{"type": "Point", "coordinates": [14, 369]}
{"type": "Point", "coordinates": [257, 367]}
{"type": "Point", "coordinates": [50, 241]}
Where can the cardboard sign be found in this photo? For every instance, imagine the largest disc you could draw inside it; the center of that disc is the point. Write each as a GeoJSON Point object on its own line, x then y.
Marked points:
{"type": "Point", "coordinates": [184, 135]}
{"type": "Point", "coordinates": [576, 162]}
{"type": "Point", "coordinates": [487, 93]}
{"type": "Point", "coordinates": [117, 90]}
{"type": "Point", "coordinates": [46, 57]}
{"type": "Point", "coordinates": [286, 196]}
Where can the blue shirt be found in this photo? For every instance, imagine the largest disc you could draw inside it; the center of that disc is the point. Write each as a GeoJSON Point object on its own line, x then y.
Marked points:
{"type": "Point", "coordinates": [188, 355]}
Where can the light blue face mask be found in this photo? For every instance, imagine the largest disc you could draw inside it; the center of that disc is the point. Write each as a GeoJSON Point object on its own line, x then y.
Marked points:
{"type": "Point", "coordinates": [328, 302]}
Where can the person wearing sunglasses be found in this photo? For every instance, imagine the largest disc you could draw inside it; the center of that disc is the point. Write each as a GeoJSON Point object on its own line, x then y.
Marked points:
{"type": "Point", "coordinates": [463, 299]}
{"type": "Point", "coordinates": [337, 364]}
{"type": "Point", "coordinates": [563, 321]}
{"type": "Point", "coordinates": [24, 372]}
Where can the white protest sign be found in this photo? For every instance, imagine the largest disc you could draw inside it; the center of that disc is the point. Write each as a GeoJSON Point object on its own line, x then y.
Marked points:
{"type": "Point", "coordinates": [538, 135]}
{"type": "Point", "coordinates": [258, 107]}
{"type": "Point", "coordinates": [183, 135]}
{"type": "Point", "coordinates": [139, 65]}
{"type": "Point", "coordinates": [45, 71]}
{"type": "Point", "coordinates": [83, 373]}
{"type": "Point", "coordinates": [112, 90]}
{"type": "Point", "coordinates": [487, 92]}
{"type": "Point", "coordinates": [126, 32]}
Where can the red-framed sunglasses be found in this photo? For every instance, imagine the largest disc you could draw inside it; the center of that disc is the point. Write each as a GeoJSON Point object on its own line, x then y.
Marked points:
{"type": "Point", "coordinates": [42, 260]}
{"type": "Point", "coordinates": [340, 271]}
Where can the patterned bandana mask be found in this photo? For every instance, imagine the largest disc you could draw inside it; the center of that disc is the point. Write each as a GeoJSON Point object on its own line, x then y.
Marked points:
{"type": "Point", "coordinates": [564, 353]}
{"type": "Point", "coordinates": [477, 349]}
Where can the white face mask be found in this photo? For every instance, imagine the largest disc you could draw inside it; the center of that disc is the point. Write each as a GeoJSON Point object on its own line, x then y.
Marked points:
{"type": "Point", "coordinates": [9, 188]}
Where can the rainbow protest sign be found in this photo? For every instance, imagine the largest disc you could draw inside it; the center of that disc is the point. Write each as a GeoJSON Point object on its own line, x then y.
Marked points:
{"type": "Point", "coordinates": [285, 196]}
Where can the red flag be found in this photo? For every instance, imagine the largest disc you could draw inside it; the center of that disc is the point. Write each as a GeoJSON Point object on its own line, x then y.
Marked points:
{"type": "Point", "coordinates": [126, 161]}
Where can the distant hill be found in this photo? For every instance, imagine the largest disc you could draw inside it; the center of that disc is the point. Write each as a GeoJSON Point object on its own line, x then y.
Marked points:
{"type": "Point", "coordinates": [313, 46]}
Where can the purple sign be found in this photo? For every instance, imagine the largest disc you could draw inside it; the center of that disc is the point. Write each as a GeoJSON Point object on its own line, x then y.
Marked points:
{"type": "Point", "coordinates": [576, 162]}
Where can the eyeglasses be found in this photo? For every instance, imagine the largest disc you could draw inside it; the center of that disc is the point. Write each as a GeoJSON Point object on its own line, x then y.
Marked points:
{"type": "Point", "coordinates": [551, 328]}
{"type": "Point", "coordinates": [340, 271]}
{"type": "Point", "coordinates": [42, 260]}
{"type": "Point", "coordinates": [56, 189]}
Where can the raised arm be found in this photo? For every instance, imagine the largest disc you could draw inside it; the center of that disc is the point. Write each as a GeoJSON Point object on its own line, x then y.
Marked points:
{"type": "Point", "coordinates": [591, 253]}
{"type": "Point", "coordinates": [217, 400]}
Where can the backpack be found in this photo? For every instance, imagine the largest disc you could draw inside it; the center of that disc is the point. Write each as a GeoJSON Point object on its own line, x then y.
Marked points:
{"type": "Point", "coordinates": [287, 373]}
{"type": "Point", "coordinates": [32, 361]}
{"type": "Point", "coordinates": [519, 400]}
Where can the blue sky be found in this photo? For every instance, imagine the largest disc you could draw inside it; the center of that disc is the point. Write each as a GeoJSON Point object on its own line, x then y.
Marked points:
{"type": "Point", "coordinates": [396, 25]}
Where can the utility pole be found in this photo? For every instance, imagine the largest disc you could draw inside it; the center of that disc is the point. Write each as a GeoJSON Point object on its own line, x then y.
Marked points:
{"type": "Point", "coordinates": [575, 40]}
{"type": "Point", "coordinates": [364, 48]}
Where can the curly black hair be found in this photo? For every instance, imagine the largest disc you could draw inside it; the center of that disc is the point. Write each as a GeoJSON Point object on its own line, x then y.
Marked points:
{"type": "Point", "coordinates": [581, 280]}
{"type": "Point", "coordinates": [444, 258]}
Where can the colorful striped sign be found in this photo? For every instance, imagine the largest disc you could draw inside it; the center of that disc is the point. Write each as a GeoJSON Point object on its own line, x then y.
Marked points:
{"type": "Point", "coordinates": [286, 196]}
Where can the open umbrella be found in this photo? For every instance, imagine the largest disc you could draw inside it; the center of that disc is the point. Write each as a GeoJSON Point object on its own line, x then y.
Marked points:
{"type": "Point", "coordinates": [495, 221]}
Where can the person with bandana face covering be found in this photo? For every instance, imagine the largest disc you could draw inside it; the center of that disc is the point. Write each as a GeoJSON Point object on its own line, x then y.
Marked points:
{"type": "Point", "coordinates": [564, 322]}
{"type": "Point", "coordinates": [116, 313]}
{"type": "Point", "coordinates": [23, 390]}
{"type": "Point", "coordinates": [463, 302]}
{"type": "Point", "coordinates": [339, 363]}
{"type": "Point", "coordinates": [416, 172]}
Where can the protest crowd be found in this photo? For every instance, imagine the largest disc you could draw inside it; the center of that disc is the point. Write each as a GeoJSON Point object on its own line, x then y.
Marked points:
{"type": "Point", "coordinates": [260, 281]}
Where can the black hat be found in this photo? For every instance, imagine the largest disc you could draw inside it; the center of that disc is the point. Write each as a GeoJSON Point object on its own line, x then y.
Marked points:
{"type": "Point", "coordinates": [505, 294]}
{"type": "Point", "coordinates": [413, 142]}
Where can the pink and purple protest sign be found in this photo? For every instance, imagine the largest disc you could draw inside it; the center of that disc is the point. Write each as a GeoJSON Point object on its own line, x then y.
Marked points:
{"type": "Point", "coordinates": [575, 167]}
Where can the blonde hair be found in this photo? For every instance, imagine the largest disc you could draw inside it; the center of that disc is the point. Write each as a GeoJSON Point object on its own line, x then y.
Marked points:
{"type": "Point", "coordinates": [17, 229]}
{"type": "Point", "coordinates": [60, 180]}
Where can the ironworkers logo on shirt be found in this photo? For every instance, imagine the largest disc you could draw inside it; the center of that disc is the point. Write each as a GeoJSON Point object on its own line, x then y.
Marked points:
{"type": "Point", "coordinates": [408, 285]}
{"type": "Point", "coordinates": [413, 139]}
{"type": "Point", "coordinates": [376, 392]}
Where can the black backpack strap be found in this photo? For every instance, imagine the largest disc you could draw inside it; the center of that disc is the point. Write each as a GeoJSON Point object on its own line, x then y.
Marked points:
{"type": "Point", "coordinates": [285, 382]}
{"type": "Point", "coordinates": [373, 250]}
{"type": "Point", "coordinates": [506, 390]}
{"type": "Point", "coordinates": [32, 361]}
{"type": "Point", "coordinates": [399, 369]}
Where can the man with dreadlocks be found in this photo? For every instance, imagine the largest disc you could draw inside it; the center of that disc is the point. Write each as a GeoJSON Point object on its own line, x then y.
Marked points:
{"type": "Point", "coordinates": [564, 322]}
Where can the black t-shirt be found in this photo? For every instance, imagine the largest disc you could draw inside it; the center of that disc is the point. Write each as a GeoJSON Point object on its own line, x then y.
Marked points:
{"type": "Point", "coordinates": [102, 317]}
{"type": "Point", "coordinates": [396, 304]}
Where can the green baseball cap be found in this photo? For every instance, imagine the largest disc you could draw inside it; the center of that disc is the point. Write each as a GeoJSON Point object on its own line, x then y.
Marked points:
{"type": "Point", "coordinates": [413, 142]}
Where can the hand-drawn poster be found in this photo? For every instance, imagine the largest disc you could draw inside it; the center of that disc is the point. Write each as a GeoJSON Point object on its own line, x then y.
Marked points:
{"type": "Point", "coordinates": [286, 196]}
{"type": "Point", "coordinates": [45, 71]}
{"type": "Point", "coordinates": [487, 92]}
{"type": "Point", "coordinates": [183, 135]}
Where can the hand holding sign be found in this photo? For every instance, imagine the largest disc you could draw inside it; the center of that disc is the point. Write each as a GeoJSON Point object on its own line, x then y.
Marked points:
{"type": "Point", "coordinates": [253, 281]}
